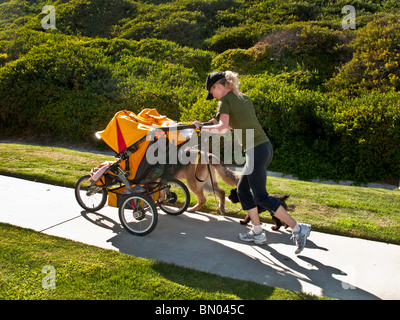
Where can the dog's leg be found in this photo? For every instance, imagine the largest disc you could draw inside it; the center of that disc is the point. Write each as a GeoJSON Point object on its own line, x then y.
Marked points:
{"type": "Point", "coordinates": [221, 195]}
{"type": "Point", "coordinates": [246, 220]}
{"type": "Point", "coordinates": [198, 192]}
{"type": "Point", "coordinates": [277, 225]}
{"type": "Point", "coordinates": [201, 200]}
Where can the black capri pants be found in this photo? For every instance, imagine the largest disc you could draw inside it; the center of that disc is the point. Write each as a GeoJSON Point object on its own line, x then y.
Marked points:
{"type": "Point", "coordinates": [251, 188]}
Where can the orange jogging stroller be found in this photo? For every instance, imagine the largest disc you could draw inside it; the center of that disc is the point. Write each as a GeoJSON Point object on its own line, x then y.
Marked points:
{"type": "Point", "coordinates": [134, 183]}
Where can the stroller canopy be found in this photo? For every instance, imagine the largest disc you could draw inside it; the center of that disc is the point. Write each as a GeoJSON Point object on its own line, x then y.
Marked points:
{"type": "Point", "coordinates": [127, 128]}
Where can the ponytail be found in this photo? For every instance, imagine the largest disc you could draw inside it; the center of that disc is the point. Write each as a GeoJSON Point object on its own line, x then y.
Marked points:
{"type": "Point", "coordinates": [231, 82]}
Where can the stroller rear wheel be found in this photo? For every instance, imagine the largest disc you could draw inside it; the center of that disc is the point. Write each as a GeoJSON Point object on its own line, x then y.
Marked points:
{"type": "Point", "coordinates": [177, 198]}
{"type": "Point", "coordinates": [138, 214]}
{"type": "Point", "coordinates": [90, 197]}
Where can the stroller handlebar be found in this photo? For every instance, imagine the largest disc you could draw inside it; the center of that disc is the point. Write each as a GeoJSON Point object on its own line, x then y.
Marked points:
{"type": "Point", "coordinates": [185, 126]}
{"type": "Point", "coordinates": [124, 155]}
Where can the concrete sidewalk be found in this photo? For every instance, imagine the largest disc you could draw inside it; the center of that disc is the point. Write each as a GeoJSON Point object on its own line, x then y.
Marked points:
{"type": "Point", "coordinates": [333, 266]}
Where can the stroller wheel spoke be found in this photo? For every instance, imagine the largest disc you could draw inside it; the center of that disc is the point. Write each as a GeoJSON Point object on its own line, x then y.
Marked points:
{"type": "Point", "coordinates": [176, 199]}
{"type": "Point", "coordinates": [89, 197]}
{"type": "Point", "coordinates": [138, 214]}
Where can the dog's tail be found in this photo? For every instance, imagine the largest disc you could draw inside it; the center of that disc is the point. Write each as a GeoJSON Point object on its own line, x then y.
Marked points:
{"type": "Point", "coordinates": [227, 175]}
{"type": "Point", "coordinates": [282, 198]}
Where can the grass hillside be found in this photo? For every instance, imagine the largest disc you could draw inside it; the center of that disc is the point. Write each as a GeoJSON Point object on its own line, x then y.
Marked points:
{"type": "Point", "coordinates": [328, 97]}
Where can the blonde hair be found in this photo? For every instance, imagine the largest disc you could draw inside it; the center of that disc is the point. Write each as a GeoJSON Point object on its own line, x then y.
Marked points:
{"type": "Point", "coordinates": [231, 82]}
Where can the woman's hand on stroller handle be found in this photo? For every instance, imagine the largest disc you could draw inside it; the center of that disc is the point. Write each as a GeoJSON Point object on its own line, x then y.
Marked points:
{"type": "Point", "coordinates": [183, 126]}
{"type": "Point", "coordinates": [198, 125]}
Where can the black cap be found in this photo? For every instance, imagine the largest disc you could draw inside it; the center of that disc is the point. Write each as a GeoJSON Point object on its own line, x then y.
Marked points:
{"type": "Point", "coordinates": [212, 79]}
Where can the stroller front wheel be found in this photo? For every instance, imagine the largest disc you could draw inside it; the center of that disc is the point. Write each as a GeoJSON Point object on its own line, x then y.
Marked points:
{"type": "Point", "coordinates": [90, 197]}
{"type": "Point", "coordinates": [138, 214]}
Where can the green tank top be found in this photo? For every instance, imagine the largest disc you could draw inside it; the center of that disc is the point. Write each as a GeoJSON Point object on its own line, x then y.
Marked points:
{"type": "Point", "coordinates": [242, 116]}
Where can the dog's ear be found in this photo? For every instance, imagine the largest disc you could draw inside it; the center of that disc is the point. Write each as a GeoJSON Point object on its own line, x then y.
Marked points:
{"type": "Point", "coordinates": [233, 196]}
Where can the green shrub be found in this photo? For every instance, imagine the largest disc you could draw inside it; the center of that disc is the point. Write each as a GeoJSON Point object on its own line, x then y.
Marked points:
{"type": "Point", "coordinates": [155, 49]}
{"type": "Point", "coordinates": [318, 134]}
{"type": "Point", "coordinates": [184, 28]}
{"type": "Point", "coordinates": [168, 21]}
{"type": "Point", "coordinates": [294, 10]}
{"type": "Point", "coordinates": [376, 61]}
{"type": "Point", "coordinates": [258, 59]}
{"type": "Point", "coordinates": [320, 49]}
{"type": "Point", "coordinates": [3, 59]}
{"type": "Point", "coordinates": [234, 37]}
{"type": "Point", "coordinates": [71, 89]}
{"type": "Point", "coordinates": [44, 77]}
{"type": "Point", "coordinates": [369, 132]}
{"type": "Point", "coordinates": [19, 42]}
{"type": "Point", "coordinates": [309, 48]}
{"type": "Point", "coordinates": [145, 83]}
{"type": "Point", "coordinates": [327, 97]}
{"type": "Point", "coordinates": [93, 18]}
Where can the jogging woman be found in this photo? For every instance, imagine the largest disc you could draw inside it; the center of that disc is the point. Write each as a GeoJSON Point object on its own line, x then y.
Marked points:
{"type": "Point", "coordinates": [236, 111]}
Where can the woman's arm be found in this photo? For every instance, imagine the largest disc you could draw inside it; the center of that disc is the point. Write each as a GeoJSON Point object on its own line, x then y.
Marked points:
{"type": "Point", "coordinates": [221, 127]}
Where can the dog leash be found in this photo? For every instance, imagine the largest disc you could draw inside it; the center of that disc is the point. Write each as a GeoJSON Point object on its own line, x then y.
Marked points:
{"type": "Point", "coordinates": [212, 182]}
{"type": "Point", "coordinates": [211, 178]}
{"type": "Point", "coordinates": [209, 174]}
{"type": "Point", "coordinates": [195, 170]}
{"type": "Point", "coordinates": [237, 211]}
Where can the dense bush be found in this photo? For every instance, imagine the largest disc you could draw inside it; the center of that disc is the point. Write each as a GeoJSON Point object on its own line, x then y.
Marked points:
{"type": "Point", "coordinates": [246, 61]}
{"type": "Point", "coordinates": [319, 135]}
{"type": "Point", "coordinates": [183, 27]}
{"type": "Point", "coordinates": [376, 60]}
{"type": "Point", "coordinates": [145, 83]}
{"type": "Point", "coordinates": [185, 22]}
{"type": "Point", "coordinates": [94, 18]}
{"type": "Point", "coordinates": [233, 37]}
{"type": "Point", "coordinates": [71, 89]}
{"type": "Point", "coordinates": [36, 87]}
{"type": "Point", "coordinates": [367, 129]}
{"type": "Point", "coordinates": [298, 47]}
{"type": "Point", "coordinates": [158, 50]}
{"type": "Point", "coordinates": [328, 98]}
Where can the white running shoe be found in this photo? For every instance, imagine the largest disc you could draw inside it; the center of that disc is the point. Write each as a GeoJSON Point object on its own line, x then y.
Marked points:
{"type": "Point", "coordinates": [300, 238]}
{"type": "Point", "coordinates": [250, 236]}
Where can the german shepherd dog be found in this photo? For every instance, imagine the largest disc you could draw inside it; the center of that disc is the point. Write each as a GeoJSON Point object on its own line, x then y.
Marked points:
{"type": "Point", "coordinates": [202, 176]}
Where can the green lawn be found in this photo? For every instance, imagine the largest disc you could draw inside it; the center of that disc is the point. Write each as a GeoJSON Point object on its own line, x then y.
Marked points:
{"type": "Point", "coordinates": [87, 272]}
{"type": "Point", "coordinates": [348, 210]}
